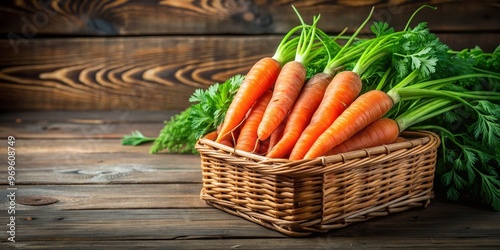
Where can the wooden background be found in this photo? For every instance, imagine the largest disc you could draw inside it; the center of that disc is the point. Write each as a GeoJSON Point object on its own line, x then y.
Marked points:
{"type": "Point", "coordinates": [151, 55]}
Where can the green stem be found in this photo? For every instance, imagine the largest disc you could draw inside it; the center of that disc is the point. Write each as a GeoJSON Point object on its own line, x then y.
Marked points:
{"type": "Point", "coordinates": [384, 78]}
{"type": "Point", "coordinates": [410, 93]}
{"type": "Point", "coordinates": [351, 54]}
{"type": "Point", "coordinates": [329, 66]}
{"type": "Point", "coordinates": [439, 82]}
{"type": "Point", "coordinates": [407, 80]}
{"type": "Point", "coordinates": [281, 52]}
{"type": "Point", "coordinates": [360, 69]}
{"type": "Point", "coordinates": [306, 40]}
{"type": "Point", "coordinates": [414, 13]}
{"type": "Point", "coordinates": [375, 48]}
{"type": "Point", "coordinates": [494, 74]}
{"type": "Point", "coordinates": [424, 112]}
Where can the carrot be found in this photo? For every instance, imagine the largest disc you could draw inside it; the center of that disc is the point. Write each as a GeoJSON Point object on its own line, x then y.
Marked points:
{"type": "Point", "coordinates": [366, 109]}
{"type": "Point", "coordinates": [400, 139]}
{"type": "Point", "coordinates": [286, 90]}
{"type": "Point", "coordinates": [289, 83]}
{"type": "Point", "coordinates": [211, 136]}
{"type": "Point", "coordinates": [277, 134]}
{"type": "Point", "coordinates": [300, 115]}
{"type": "Point", "coordinates": [340, 93]}
{"type": "Point", "coordinates": [230, 138]}
{"type": "Point", "coordinates": [258, 80]}
{"type": "Point", "coordinates": [380, 132]}
{"type": "Point", "coordinates": [263, 147]}
{"type": "Point", "coordinates": [227, 142]}
{"type": "Point", "coordinates": [247, 140]}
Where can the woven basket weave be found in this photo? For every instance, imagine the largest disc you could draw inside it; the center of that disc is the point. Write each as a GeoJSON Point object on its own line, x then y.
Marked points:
{"type": "Point", "coordinates": [298, 198]}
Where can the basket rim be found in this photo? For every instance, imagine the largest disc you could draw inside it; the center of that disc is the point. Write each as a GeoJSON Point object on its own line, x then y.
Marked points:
{"type": "Point", "coordinates": [422, 141]}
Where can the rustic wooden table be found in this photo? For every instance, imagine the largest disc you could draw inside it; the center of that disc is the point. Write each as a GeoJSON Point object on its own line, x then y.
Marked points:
{"type": "Point", "coordinates": [77, 187]}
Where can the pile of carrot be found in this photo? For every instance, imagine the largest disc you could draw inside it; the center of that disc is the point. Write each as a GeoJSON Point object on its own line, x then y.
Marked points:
{"type": "Point", "coordinates": [280, 113]}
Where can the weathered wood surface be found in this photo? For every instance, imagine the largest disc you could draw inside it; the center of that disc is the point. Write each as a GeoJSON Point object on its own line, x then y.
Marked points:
{"type": "Point", "coordinates": [151, 55]}
{"type": "Point", "coordinates": [136, 17]}
{"type": "Point", "coordinates": [108, 196]}
{"type": "Point", "coordinates": [121, 73]}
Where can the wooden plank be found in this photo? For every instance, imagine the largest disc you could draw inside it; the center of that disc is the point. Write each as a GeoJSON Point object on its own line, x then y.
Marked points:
{"type": "Point", "coordinates": [91, 157]}
{"type": "Point", "coordinates": [32, 18]}
{"type": "Point", "coordinates": [379, 242]}
{"type": "Point", "coordinates": [36, 147]}
{"type": "Point", "coordinates": [137, 73]}
{"type": "Point", "coordinates": [71, 197]}
{"type": "Point", "coordinates": [94, 160]}
{"type": "Point", "coordinates": [87, 117]}
{"type": "Point", "coordinates": [92, 126]}
{"type": "Point", "coordinates": [83, 125]}
{"type": "Point", "coordinates": [440, 225]}
{"type": "Point", "coordinates": [101, 168]}
{"type": "Point", "coordinates": [148, 73]}
{"type": "Point", "coordinates": [104, 174]}
{"type": "Point", "coordinates": [136, 224]}
{"type": "Point", "coordinates": [259, 244]}
{"type": "Point", "coordinates": [70, 161]}
{"type": "Point", "coordinates": [91, 132]}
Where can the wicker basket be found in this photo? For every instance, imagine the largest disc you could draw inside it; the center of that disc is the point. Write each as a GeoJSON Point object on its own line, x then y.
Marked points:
{"type": "Point", "coordinates": [298, 198]}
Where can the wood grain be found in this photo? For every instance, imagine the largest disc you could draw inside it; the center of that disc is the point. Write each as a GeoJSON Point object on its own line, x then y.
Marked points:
{"type": "Point", "coordinates": [151, 55]}
{"type": "Point", "coordinates": [137, 73]}
{"type": "Point", "coordinates": [71, 197]}
{"type": "Point", "coordinates": [151, 73]}
{"type": "Point", "coordinates": [82, 161]}
{"type": "Point", "coordinates": [461, 227]}
{"type": "Point", "coordinates": [108, 197]}
{"type": "Point", "coordinates": [34, 18]}
{"type": "Point", "coordinates": [95, 117]}
{"type": "Point", "coordinates": [208, 243]}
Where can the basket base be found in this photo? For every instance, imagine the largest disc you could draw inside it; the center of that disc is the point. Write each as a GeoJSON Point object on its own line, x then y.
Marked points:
{"type": "Point", "coordinates": [258, 218]}
{"type": "Point", "coordinates": [285, 227]}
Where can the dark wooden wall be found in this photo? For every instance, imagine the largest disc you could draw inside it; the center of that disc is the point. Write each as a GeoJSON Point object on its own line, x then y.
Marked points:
{"type": "Point", "coordinates": [151, 55]}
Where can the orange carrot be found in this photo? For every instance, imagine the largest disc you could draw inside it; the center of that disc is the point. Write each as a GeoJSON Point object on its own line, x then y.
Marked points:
{"type": "Point", "coordinates": [263, 146]}
{"type": "Point", "coordinates": [366, 109]}
{"type": "Point", "coordinates": [227, 142]}
{"type": "Point", "coordinates": [277, 134]}
{"type": "Point", "coordinates": [230, 138]}
{"type": "Point", "coordinates": [247, 140]}
{"type": "Point", "coordinates": [380, 132]}
{"type": "Point", "coordinates": [258, 80]}
{"type": "Point", "coordinates": [342, 91]}
{"type": "Point", "coordinates": [290, 81]}
{"type": "Point", "coordinates": [300, 115]}
{"type": "Point", "coordinates": [400, 139]}
{"type": "Point", "coordinates": [211, 136]}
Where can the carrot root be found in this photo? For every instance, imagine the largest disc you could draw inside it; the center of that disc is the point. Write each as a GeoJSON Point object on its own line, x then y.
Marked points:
{"type": "Point", "coordinates": [366, 109]}
{"type": "Point", "coordinates": [258, 80]}
{"type": "Point", "coordinates": [247, 139]}
{"type": "Point", "coordinates": [300, 115]}
{"type": "Point", "coordinates": [340, 93]}
{"type": "Point", "coordinates": [380, 132]}
{"type": "Point", "coordinates": [288, 85]}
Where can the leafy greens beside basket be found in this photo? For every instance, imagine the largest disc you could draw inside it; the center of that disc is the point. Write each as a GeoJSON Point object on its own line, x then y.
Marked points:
{"type": "Point", "coordinates": [383, 85]}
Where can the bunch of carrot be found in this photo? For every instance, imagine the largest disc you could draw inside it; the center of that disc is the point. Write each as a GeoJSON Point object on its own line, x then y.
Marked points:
{"type": "Point", "coordinates": [281, 114]}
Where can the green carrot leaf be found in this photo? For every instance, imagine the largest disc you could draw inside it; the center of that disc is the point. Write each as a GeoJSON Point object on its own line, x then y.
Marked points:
{"type": "Point", "coordinates": [487, 126]}
{"type": "Point", "coordinates": [176, 136]}
{"type": "Point", "coordinates": [210, 106]}
{"type": "Point", "coordinates": [381, 29]}
{"type": "Point", "coordinates": [135, 138]}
